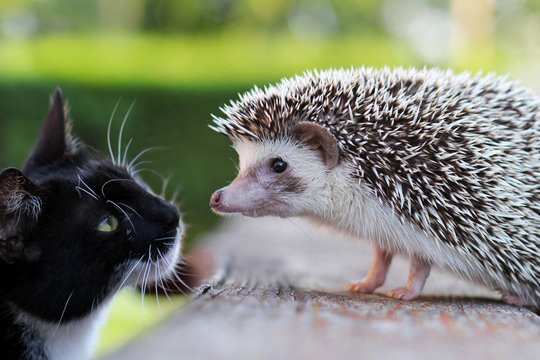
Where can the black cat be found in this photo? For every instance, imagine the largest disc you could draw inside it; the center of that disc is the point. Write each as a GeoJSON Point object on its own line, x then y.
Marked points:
{"type": "Point", "coordinates": [74, 228]}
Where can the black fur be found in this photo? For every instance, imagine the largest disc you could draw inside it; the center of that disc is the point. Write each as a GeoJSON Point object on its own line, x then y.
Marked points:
{"type": "Point", "coordinates": [50, 248]}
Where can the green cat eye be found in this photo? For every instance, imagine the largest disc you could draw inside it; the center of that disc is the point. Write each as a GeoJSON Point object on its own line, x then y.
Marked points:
{"type": "Point", "coordinates": [110, 223]}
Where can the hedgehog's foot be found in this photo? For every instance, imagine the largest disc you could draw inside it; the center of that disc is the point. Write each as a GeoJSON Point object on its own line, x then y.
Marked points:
{"type": "Point", "coordinates": [418, 274]}
{"type": "Point", "coordinates": [377, 272]}
{"type": "Point", "coordinates": [512, 299]}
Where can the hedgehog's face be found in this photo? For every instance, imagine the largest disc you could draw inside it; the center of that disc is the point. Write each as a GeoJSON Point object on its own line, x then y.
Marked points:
{"type": "Point", "coordinates": [280, 177]}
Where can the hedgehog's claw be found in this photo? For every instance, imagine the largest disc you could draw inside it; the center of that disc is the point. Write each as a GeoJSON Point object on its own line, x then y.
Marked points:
{"type": "Point", "coordinates": [418, 274]}
{"type": "Point", "coordinates": [377, 273]}
{"type": "Point", "coordinates": [365, 286]}
{"type": "Point", "coordinates": [403, 293]}
{"type": "Point", "coordinates": [512, 299]}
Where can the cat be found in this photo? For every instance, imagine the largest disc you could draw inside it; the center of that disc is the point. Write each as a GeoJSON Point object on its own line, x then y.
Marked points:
{"type": "Point", "coordinates": [75, 227]}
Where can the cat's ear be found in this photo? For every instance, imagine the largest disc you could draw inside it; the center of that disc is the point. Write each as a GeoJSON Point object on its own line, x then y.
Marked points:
{"type": "Point", "coordinates": [51, 142]}
{"type": "Point", "coordinates": [20, 205]}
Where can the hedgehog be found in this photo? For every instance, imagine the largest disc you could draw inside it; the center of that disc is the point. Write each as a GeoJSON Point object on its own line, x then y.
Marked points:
{"type": "Point", "coordinates": [440, 167]}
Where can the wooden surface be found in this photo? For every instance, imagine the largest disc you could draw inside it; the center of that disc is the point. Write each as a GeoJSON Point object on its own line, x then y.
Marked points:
{"type": "Point", "coordinates": [277, 293]}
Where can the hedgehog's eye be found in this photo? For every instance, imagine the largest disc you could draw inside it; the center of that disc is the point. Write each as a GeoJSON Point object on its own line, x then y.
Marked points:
{"type": "Point", "coordinates": [109, 224]}
{"type": "Point", "coordinates": [278, 165]}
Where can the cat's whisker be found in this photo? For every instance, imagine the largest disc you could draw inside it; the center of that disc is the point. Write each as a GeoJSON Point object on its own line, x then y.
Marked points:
{"type": "Point", "coordinates": [81, 181]}
{"type": "Point", "coordinates": [178, 271]}
{"type": "Point", "coordinates": [127, 276]}
{"type": "Point", "coordinates": [178, 278]}
{"type": "Point", "coordinates": [79, 189]}
{"type": "Point", "coordinates": [152, 171]}
{"type": "Point", "coordinates": [175, 230]}
{"type": "Point", "coordinates": [161, 277]}
{"type": "Point", "coordinates": [165, 291]}
{"type": "Point", "coordinates": [165, 238]}
{"type": "Point", "coordinates": [135, 172]}
{"type": "Point", "coordinates": [156, 288]}
{"type": "Point", "coordinates": [63, 312]}
{"type": "Point", "coordinates": [125, 213]}
{"type": "Point", "coordinates": [164, 179]}
{"type": "Point", "coordinates": [134, 160]}
{"type": "Point", "coordinates": [146, 275]}
{"type": "Point", "coordinates": [126, 152]}
{"type": "Point", "coordinates": [180, 290]}
{"type": "Point", "coordinates": [180, 262]}
{"type": "Point", "coordinates": [122, 131]}
{"type": "Point", "coordinates": [113, 180]}
{"type": "Point", "coordinates": [109, 131]}
{"type": "Point", "coordinates": [175, 195]}
{"type": "Point", "coordinates": [142, 295]}
{"type": "Point", "coordinates": [130, 208]}
{"type": "Point", "coordinates": [183, 282]}
{"type": "Point", "coordinates": [171, 281]}
{"type": "Point", "coordinates": [141, 270]}
{"type": "Point", "coordinates": [182, 273]}
{"type": "Point", "coordinates": [164, 182]}
{"type": "Point", "coordinates": [135, 167]}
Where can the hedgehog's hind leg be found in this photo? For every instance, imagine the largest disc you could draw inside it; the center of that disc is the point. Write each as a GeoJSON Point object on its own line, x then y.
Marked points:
{"type": "Point", "coordinates": [377, 272]}
{"type": "Point", "coordinates": [512, 299]}
{"type": "Point", "coordinates": [418, 274]}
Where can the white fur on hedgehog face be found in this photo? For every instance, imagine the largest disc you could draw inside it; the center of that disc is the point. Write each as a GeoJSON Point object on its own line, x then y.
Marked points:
{"type": "Point", "coordinates": [259, 191]}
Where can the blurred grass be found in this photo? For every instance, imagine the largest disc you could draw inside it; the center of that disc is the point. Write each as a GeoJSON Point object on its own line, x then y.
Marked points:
{"type": "Point", "coordinates": [228, 59]}
{"type": "Point", "coordinates": [129, 317]}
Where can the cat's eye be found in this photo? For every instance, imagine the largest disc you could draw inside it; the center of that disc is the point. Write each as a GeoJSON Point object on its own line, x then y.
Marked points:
{"type": "Point", "coordinates": [109, 224]}
{"type": "Point", "coordinates": [278, 165]}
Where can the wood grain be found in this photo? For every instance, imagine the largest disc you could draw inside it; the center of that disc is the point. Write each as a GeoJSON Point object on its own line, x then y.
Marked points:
{"type": "Point", "coordinates": [277, 293]}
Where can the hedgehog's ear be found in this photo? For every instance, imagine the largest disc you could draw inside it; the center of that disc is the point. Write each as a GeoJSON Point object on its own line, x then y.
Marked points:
{"type": "Point", "coordinates": [51, 142]}
{"type": "Point", "coordinates": [20, 204]}
{"type": "Point", "coordinates": [319, 139]}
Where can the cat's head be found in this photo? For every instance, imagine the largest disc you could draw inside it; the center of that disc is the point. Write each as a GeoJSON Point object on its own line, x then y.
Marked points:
{"type": "Point", "coordinates": [75, 227]}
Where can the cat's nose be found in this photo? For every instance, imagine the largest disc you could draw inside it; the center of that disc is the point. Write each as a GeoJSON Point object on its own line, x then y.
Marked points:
{"type": "Point", "coordinates": [169, 214]}
{"type": "Point", "coordinates": [174, 216]}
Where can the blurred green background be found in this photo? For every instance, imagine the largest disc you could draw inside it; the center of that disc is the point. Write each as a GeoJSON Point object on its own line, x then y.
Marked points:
{"type": "Point", "coordinates": [180, 60]}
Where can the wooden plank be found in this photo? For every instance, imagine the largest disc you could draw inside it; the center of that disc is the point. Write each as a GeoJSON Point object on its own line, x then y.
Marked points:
{"type": "Point", "coordinates": [278, 294]}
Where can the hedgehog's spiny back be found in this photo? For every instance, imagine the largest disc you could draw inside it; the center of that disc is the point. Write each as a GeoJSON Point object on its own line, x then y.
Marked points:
{"type": "Point", "coordinates": [268, 112]}
{"type": "Point", "coordinates": [458, 156]}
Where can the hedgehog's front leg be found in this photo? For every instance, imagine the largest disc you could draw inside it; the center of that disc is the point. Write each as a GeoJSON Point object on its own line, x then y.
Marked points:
{"type": "Point", "coordinates": [377, 272]}
{"type": "Point", "coordinates": [418, 274]}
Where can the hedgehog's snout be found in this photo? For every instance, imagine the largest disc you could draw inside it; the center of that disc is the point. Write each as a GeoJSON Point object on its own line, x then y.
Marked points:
{"type": "Point", "coordinates": [215, 199]}
{"type": "Point", "coordinates": [243, 196]}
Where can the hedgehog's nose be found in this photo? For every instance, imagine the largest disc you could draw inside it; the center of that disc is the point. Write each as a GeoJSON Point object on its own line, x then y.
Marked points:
{"type": "Point", "coordinates": [215, 200]}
